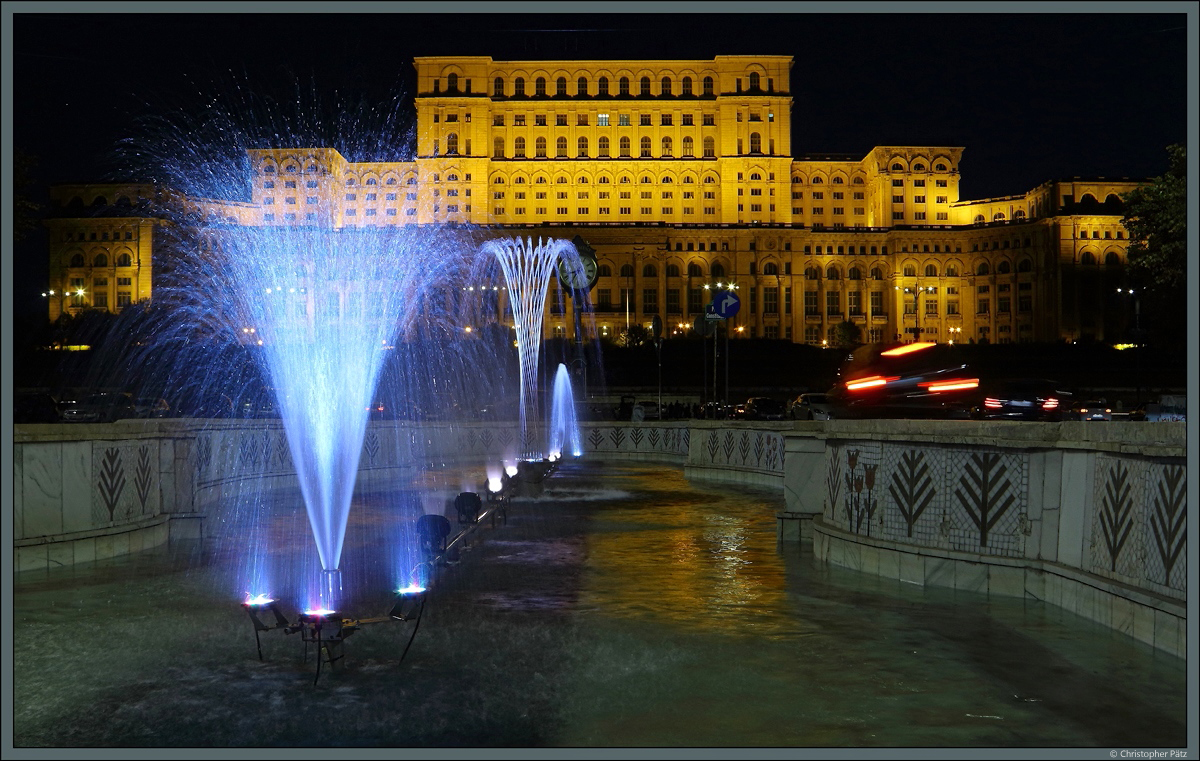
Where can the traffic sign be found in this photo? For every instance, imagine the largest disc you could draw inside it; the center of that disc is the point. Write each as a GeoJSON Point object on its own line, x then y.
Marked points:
{"type": "Point", "coordinates": [703, 326]}
{"type": "Point", "coordinates": [725, 304]}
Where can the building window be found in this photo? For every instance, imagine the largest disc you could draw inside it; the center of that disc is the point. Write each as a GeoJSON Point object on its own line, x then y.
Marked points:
{"type": "Point", "coordinates": [877, 303]}
{"type": "Point", "coordinates": [622, 120]}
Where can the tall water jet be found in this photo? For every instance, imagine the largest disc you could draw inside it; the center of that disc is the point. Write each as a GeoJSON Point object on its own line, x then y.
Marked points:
{"type": "Point", "coordinates": [527, 269]}
{"type": "Point", "coordinates": [564, 423]}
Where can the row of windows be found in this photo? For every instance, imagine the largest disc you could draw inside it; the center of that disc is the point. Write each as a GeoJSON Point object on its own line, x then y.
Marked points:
{"type": "Point", "coordinates": [603, 86]}
{"type": "Point", "coordinates": [919, 167]}
{"type": "Point", "coordinates": [101, 260]}
{"type": "Point", "coordinates": [603, 120]}
{"type": "Point", "coordinates": [80, 236]}
{"type": "Point", "coordinates": [666, 179]}
{"type": "Point", "coordinates": [603, 148]}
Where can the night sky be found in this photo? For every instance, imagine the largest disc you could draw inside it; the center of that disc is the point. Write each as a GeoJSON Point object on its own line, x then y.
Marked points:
{"type": "Point", "coordinates": [1031, 97]}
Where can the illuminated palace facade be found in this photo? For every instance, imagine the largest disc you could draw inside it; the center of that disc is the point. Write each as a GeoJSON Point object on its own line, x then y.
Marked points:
{"type": "Point", "coordinates": [681, 176]}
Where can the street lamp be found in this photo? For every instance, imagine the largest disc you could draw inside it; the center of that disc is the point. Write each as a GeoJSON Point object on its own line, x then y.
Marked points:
{"type": "Point", "coordinates": [1136, 335]}
{"type": "Point", "coordinates": [955, 332]}
{"type": "Point", "coordinates": [916, 294]}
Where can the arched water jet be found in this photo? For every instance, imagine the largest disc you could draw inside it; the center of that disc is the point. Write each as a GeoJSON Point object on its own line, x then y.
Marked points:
{"type": "Point", "coordinates": [527, 269]}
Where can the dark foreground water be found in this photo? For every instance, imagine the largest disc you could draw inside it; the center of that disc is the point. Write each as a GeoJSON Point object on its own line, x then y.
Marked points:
{"type": "Point", "coordinates": [626, 607]}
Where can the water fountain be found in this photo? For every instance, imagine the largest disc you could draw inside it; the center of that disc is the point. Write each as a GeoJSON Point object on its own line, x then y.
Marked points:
{"type": "Point", "coordinates": [564, 423]}
{"type": "Point", "coordinates": [527, 269]}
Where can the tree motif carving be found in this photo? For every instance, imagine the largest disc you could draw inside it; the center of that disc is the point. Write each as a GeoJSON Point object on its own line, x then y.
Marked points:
{"type": "Point", "coordinates": [1116, 512]}
{"type": "Point", "coordinates": [248, 452]}
{"type": "Point", "coordinates": [760, 446]}
{"type": "Point", "coordinates": [654, 435]}
{"type": "Point", "coordinates": [833, 481]}
{"type": "Point", "coordinates": [685, 440]}
{"type": "Point", "coordinates": [371, 446]}
{"type": "Point", "coordinates": [744, 446]}
{"type": "Point", "coordinates": [595, 438]}
{"type": "Point", "coordinates": [728, 446]}
{"type": "Point", "coordinates": [617, 436]}
{"type": "Point", "coordinates": [713, 446]}
{"type": "Point", "coordinates": [636, 436]}
{"type": "Point", "coordinates": [203, 452]}
{"type": "Point", "coordinates": [112, 480]}
{"type": "Point", "coordinates": [911, 487]}
{"type": "Point", "coordinates": [142, 475]}
{"type": "Point", "coordinates": [985, 492]}
{"type": "Point", "coordinates": [1167, 520]}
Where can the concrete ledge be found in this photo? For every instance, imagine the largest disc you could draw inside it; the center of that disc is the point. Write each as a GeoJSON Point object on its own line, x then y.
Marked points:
{"type": "Point", "coordinates": [1147, 617]}
{"type": "Point", "coordinates": [734, 476]}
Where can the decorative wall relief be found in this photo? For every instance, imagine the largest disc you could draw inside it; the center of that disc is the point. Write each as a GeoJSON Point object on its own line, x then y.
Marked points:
{"type": "Point", "coordinates": [912, 487]}
{"type": "Point", "coordinates": [833, 481]}
{"type": "Point", "coordinates": [371, 446]}
{"type": "Point", "coordinates": [858, 477]}
{"type": "Point", "coordinates": [112, 480]}
{"type": "Point", "coordinates": [636, 435]}
{"type": "Point", "coordinates": [1116, 514]}
{"type": "Point", "coordinates": [203, 452]}
{"type": "Point", "coordinates": [985, 491]}
{"type": "Point", "coordinates": [712, 446]}
{"type": "Point", "coordinates": [1167, 518]}
{"type": "Point", "coordinates": [143, 476]}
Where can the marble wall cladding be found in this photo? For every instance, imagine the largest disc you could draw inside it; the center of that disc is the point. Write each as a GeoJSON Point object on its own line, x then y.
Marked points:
{"type": "Point", "coordinates": [41, 489]}
{"type": "Point", "coordinates": [740, 449]}
{"type": "Point", "coordinates": [669, 441]}
{"type": "Point", "coordinates": [76, 478]}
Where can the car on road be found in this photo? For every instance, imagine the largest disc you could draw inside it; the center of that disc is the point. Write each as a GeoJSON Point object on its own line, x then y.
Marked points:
{"type": "Point", "coordinates": [809, 407]}
{"type": "Point", "coordinates": [913, 380]}
{"type": "Point", "coordinates": [1093, 409]}
{"type": "Point", "coordinates": [104, 407]}
{"type": "Point", "coordinates": [1023, 399]}
{"type": "Point", "coordinates": [151, 407]}
{"type": "Point", "coordinates": [762, 408]}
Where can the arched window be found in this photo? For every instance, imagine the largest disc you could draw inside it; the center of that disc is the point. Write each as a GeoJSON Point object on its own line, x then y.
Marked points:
{"type": "Point", "coordinates": [624, 147]}
{"type": "Point", "coordinates": [451, 82]}
{"type": "Point", "coordinates": [770, 268]}
{"type": "Point", "coordinates": [755, 143]}
{"type": "Point", "coordinates": [539, 147]}
{"type": "Point", "coordinates": [910, 271]}
{"type": "Point", "coordinates": [998, 216]}
{"type": "Point", "coordinates": [918, 167]}
{"type": "Point", "coordinates": [876, 273]}
{"type": "Point", "coordinates": [710, 180]}
{"type": "Point", "coordinates": [979, 218]}
{"type": "Point", "coordinates": [602, 150]}
{"type": "Point", "coordinates": [498, 148]}
{"type": "Point", "coordinates": [694, 270]}
{"type": "Point", "coordinates": [666, 179]}
{"type": "Point", "coordinates": [645, 143]}
{"type": "Point", "coordinates": [665, 88]}
{"type": "Point", "coordinates": [982, 269]}
{"type": "Point", "coordinates": [560, 86]}
{"type": "Point", "coordinates": [1087, 258]}
{"type": "Point", "coordinates": [951, 271]}
{"type": "Point", "coordinates": [539, 86]}
{"type": "Point", "coordinates": [930, 270]}
{"type": "Point", "coordinates": [854, 273]}
{"type": "Point", "coordinates": [582, 147]}
{"type": "Point", "coordinates": [838, 181]}
{"type": "Point", "coordinates": [124, 261]}
{"type": "Point", "coordinates": [1025, 265]}
{"type": "Point", "coordinates": [687, 147]}
{"type": "Point", "coordinates": [498, 87]}
{"type": "Point", "coordinates": [708, 85]}
{"type": "Point", "coordinates": [718, 270]}
{"type": "Point", "coordinates": [77, 260]}
{"type": "Point", "coordinates": [581, 86]}
{"type": "Point", "coordinates": [1003, 268]}
{"type": "Point", "coordinates": [623, 85]}
{"type": "Point", "coordinates": [817, 181]}
{"type": "Point", "coordinates": [391, 181]}
{"type": "Point", "coordinates": [649, 271]}
{"type": "Point", "coordinates": [645, 85]}
{"type": "Point", "coordinates": [672, 270]}
{"type": "Point", "coordinates": [940, 167]}
{"type": "Point", "coordinates": [833, 274]}
{"type": "Point", "coordinates": [1111, 259]}
{"type": "Point", "coordinates": [519, 86]}
{"type": "Point", "coordinates": [812, 273]}
{"type": "Point", "coordinates": [602, 86]}
{"type": "Point", "coordinates": [101, 260]}
{"type": "Point", "coordinates": [268, 169]}
{"type": "Point", "coordinates": [686, 86]}
{"type": "Point", "coordinates": [604, 271]}
{"type": "Point", "coordinates": [560, 180]}
{"type": "Point", "coordinates": [371, 180]}
{"type": "Point", "coordinates": [710, 148]}
{"type": "Point", "coordinates": [1019, 214]}
{"type": "Point", "coordinates": [518, 148]}
{"type": "Point", "coordinates": [897, 167]}
{"type": "Point", "coordinates": [666, 146]}
{"type": "Point", "coordinates": [857, 181]}
{"type": "Point", "coordinates": [626, 270]}
{"type": "Point", "coordinates": [604, 180]}
{"type": "Point", "coordinates": [560, 148]}
{"type": "Point", "coordinates": [451, 148]}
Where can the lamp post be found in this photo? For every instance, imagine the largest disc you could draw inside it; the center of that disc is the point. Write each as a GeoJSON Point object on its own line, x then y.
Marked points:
{"type": "Point", "coordinates": [1136, 334]}
{"type": "Point", "coordinates": [916, 294]}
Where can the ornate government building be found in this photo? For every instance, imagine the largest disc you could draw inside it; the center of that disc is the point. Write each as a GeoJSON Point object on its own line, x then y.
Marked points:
{"type": "Point", "coordinates": [681, 175]}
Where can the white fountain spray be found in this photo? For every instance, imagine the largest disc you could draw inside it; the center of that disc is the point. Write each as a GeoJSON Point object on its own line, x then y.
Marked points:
{"type": "Point", "coordinates": [527, 269]}
{"type": "Point", "coordinates": [564, 424]}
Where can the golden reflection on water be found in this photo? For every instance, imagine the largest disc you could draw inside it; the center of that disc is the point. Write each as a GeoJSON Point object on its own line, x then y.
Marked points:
{"type": "Point", "coordinates": [677, 556]}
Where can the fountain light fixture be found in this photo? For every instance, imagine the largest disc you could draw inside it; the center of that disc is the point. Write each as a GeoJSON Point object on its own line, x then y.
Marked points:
{"type": "Point", "coordinates": [410, 601]}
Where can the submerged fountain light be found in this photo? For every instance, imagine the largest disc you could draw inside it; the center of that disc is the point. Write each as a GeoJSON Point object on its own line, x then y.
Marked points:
{"type": "Point", "coordinates": [259, 600]}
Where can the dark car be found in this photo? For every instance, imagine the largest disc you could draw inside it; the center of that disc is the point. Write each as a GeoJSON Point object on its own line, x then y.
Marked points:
{"type": "Point", "coordinates": [809, 407]}
{"type": "Point", "coordinates": [104, 407]}
{"type": "Point", "coordinates": [1026, 399]}
{"type": "Point", "coordinates": [917, 380]}
{"type": "Point", "coordinates": [1094, 409]}
{"type": "Point", "coordinates": [763, 408]}
{"type": "Point", "coordinates": [34, 407]}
